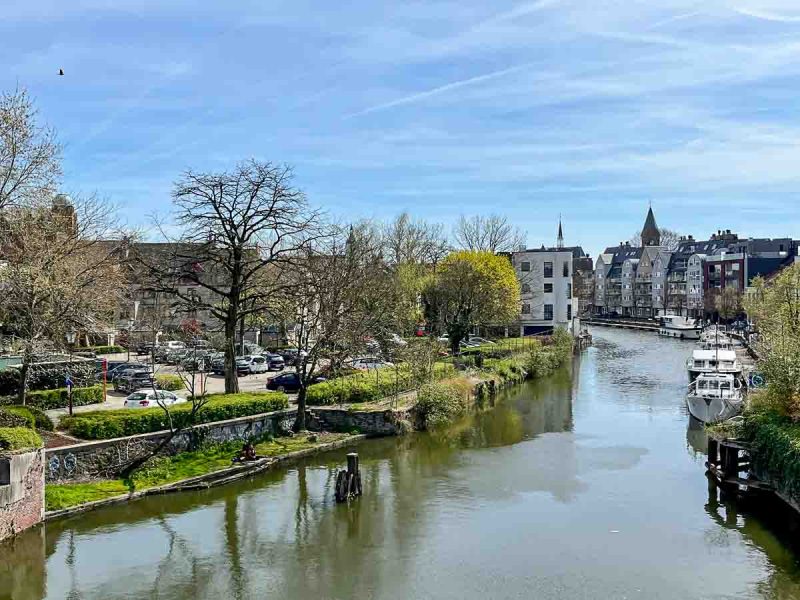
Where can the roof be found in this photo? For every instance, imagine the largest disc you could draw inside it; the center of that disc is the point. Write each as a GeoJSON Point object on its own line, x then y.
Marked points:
{"type": "Point", "coordinates": [650, 229]}
{"type": "Point", "coordinates": [712, 354]}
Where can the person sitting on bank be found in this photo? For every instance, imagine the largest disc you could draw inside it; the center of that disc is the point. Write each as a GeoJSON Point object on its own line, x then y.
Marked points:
{"type": "Point", "coordinates": [247, 453]}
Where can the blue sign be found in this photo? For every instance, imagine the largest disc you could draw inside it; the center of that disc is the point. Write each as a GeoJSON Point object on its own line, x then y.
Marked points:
{"type": "Point", "coordinates": [69, 383]}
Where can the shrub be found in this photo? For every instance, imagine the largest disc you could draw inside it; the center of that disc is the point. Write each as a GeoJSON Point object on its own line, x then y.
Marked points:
{"type": "Point", "coordinates": [370, 386]}
{"type": "Point", "coordinates": [51, 376]}
{"type": "Point", "coordinates": [775, 447]}
{"type": "Point", "coordinates": [102, 349]}
{"type": "Point", "coordinates": [439, 404]}
{"type": "Point", "coordinates": [10, 417]}
{"type": "Point", "coordinates": [171, 383]}
{"type": "Point", "coordinates": [50, 399]}
{"type": "Point", "coordinates": [19, 438]}
{"type": "Point", "coordinates": [9, 382]}
{"type": "Point", "coordinates": [40, 419]}
{"type": "Point", "coordinates": [100, 425]}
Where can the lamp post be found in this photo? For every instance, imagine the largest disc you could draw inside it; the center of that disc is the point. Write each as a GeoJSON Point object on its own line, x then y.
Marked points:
{"type": "Point", "coordinates": [70, 338]}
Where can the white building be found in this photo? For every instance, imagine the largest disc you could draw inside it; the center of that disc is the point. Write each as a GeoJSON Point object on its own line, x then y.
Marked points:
{"type": "Point", "coordinates": [545, 276]}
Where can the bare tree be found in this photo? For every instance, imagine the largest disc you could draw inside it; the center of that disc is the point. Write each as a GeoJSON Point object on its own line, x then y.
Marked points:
{"type": "Point", "coordinates": [242, 230]}
{"type": "Point", "coordinates": [413, 242]}
{"type": "Point", "coordinates": [492, 233]}
{"type": "Point", "coordinates": [59, 273]}
{"type": "Point", "coordinates": [29, 155]}
{"type": "Point", "coordinates": [339, 294]}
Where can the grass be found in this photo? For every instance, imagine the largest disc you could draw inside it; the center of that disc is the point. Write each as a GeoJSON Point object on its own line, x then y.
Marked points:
{"type": "Point", "coordinates": [170, 469]}
{"type": "Point", "coordinates": [65, 495]}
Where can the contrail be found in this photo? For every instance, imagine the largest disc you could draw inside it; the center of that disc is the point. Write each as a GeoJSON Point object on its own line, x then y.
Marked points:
{"type": "Point", "coordinates": [438, 90]}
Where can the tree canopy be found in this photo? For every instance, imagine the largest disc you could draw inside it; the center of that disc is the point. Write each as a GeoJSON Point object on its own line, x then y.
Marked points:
{"type": "Point", "coordinates": [472, 288]}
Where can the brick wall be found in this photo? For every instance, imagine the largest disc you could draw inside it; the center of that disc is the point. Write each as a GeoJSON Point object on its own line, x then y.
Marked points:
{"type": "Point", "coordinates": [22, 492]}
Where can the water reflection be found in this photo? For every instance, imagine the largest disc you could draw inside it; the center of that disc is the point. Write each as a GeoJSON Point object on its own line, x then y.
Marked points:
{"type": "Point", "coordinates": [577, 486]}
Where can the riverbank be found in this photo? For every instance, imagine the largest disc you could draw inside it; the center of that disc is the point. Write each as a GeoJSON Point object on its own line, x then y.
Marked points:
{"type": "Point", "coordinates": [434, 405]}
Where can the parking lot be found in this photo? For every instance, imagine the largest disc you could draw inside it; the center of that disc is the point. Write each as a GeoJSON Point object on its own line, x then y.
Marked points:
{"type": "Point", "coordinates": [214, 384]}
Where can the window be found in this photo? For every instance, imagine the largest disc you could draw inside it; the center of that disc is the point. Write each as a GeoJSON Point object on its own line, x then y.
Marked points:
{"type": "Point", "coordinates": [569, 312]}
{"type": "Point", "coordinates": [548, 312]}
{"type": "Point", "coordinates": [526, 309]}
{"type": "Point", "coordinates": [548, 288]}
{"type": "Point", "coordinates": [526, 288]}
{"type": "Point", "coordinates": [569, 290]}
{"type": "Point", "coordinates": [566, 269]}
{"type": "Point", "coordinates": [526, 266]}
{"type": "Point", "coordinates": [548, 269]}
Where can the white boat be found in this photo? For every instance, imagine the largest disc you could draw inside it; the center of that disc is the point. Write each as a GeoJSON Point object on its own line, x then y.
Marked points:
{"type": "Point", "coordinates": [715, 397]}
{"type": "Point", "coordinates": [679, 327]}
{"type": "Point", "coordinates": [714, 360]}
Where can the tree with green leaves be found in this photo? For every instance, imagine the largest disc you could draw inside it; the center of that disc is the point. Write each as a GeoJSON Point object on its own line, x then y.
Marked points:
{"type": "Point", "coordinates": [774, 309]}
{"type": "Point", "coordinates": [471, 288]}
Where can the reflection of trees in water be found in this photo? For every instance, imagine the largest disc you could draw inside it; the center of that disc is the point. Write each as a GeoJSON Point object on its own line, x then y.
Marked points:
{"type": "Point", "coordinates": [22, 566]}
{"type": "Point", "coordinates": [771, 527]}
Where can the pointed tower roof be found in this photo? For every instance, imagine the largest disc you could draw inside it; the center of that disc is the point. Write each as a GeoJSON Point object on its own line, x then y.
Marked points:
{"type": "Point", "coordinates": [650, 234]}
{"type": "Point", "coordinates": [560, 238]}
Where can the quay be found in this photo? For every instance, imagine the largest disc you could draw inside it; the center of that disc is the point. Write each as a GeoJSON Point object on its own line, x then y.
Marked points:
{"type": "Point", "coordinates": [623, 324]}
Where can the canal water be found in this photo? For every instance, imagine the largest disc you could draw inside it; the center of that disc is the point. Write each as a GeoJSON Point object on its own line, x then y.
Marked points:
{"type": "Point", "coordinates": [589, 484]}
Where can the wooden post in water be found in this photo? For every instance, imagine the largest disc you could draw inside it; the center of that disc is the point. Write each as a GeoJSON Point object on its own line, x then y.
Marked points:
{"type": "Point", "coordinates": [713, 452]}
{"type": "Point", "coordinates": [348, 483]}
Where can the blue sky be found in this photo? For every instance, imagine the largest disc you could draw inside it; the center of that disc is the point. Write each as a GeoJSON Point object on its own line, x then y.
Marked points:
{"type": "Point", "coordinates": [585, 108]}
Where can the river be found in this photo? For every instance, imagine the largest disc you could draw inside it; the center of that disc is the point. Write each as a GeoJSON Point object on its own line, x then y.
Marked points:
{"type": "Point", "coordinates": [589, 484]}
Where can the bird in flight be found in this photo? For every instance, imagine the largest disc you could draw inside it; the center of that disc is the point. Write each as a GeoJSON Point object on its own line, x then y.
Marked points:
{"type": "Point", "coordinates": [61, 71]}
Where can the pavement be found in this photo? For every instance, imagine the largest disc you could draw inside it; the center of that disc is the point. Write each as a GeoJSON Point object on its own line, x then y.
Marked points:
{"type": "Point", "coordinates": [214, 384]}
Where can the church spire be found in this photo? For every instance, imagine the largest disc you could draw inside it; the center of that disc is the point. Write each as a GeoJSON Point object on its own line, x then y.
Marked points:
{"type": "Point", "coordinates": [650, 234]}
{"type": "Point", "coordinates": [560, 238]}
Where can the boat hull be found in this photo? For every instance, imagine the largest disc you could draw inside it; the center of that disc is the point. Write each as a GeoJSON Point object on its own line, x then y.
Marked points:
{"type": "Point", "coordinates": [712, 410]}
{"type": "Point", "coordinates": [680, 333]}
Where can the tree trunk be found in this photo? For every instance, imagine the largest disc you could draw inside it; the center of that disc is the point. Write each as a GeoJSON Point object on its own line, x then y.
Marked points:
{"type": "Point", "coordinates": [241, 336]}
{"type": "Point", "coordinates": [231, 380]}
{"type": "Point", "coordinates": [300, 421]}
{"type": "Point", "coordinates": [23, 381]}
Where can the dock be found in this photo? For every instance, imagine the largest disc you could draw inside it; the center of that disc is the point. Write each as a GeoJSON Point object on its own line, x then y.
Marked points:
{"type": "Point", "coordinates": [623, 324]}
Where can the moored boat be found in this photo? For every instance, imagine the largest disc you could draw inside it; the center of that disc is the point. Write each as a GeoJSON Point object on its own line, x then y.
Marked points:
{"type": "Point", "coordinates": [679, 327]}
{"type": "Point", "coordinates": [715, 397]}
{"type": "Point", "coordinates": [713, 360]}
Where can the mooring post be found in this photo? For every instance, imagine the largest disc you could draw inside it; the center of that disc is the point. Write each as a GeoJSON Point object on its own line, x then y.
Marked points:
{"type": "Point", "coordinates": [730, 463]}
{"type": "Point", "coordinates": [352, 463]}
{"type": "Point", "coordinates": [713, 452]}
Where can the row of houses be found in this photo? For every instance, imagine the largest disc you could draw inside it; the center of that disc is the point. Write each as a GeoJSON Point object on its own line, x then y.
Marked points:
{"type": "Point", "coordinates": [682, 276]}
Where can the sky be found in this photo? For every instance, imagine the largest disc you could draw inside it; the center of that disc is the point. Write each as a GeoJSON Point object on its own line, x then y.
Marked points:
{"type": "Point", "coordinates": [587, 109]}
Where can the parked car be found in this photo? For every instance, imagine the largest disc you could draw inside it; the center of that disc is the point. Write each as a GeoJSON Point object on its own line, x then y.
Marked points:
{"type": "Point", "coordinates": [133, 379]}
{"type": "Point", "coordinates": [275, 362]}
{"type": "Point", "coordinates": [201, 345]}
{"type": "Point", "coordinates": [218, 365]}
{"type": "Point", "coordinates": [250, 365]}
{"type": "Point", "coordinates": [368, 363]}
{"type": "Point", "coordinates": [397, 340]}
{"type": "Point", "coordinates": [480, 341]}
{"type": "Point", "coordinates": [174, 344]}
{"type": "Point", "coordinates": [148, 398]}
{"type": "Point", "coordinates": [174, 357]}
{"type": "Point", "coordinates": [194, 360]}
{"type": "Point", "coordinates": [289, 382]}
{"type": "Point", "coordinates": [290, 355]}
{"type": "Point", "coordinates": [121, 367]}
{"type": "Point", "coordinates": [145, 348]}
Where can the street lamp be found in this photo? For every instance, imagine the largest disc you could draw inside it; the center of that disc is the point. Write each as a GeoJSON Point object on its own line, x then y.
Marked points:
{"type": "Point", "coordinates": [70, 338]}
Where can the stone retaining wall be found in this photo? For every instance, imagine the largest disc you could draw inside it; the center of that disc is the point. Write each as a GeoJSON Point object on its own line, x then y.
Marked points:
{"type": "Point", "coordinates": [21, 491]}
{"type": "Point", "coordinates": [387, 422]}
{"type": "Point", "coordinates": [106, 458]}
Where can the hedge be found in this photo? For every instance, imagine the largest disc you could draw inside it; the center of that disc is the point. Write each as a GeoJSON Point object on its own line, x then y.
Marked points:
{"type": "Point", "coordinates": [439, 404]}
{"type": "Point", "coordinates": [13, 418]}
{"type": "Point", "coordinates": [50, 399]}
{"type": "Point", "coordinates": [102, 349]}
{"type": "Point", "coordinates": [370, 386]}
{"type": "Point", "coordinates": [171, 383]}
{"type": "Point", "coordinates": [19, 438]}
{"type": "Point", "coordinates": [107, 424]}
{"type": "Point", "coordinates": [35, 417]}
